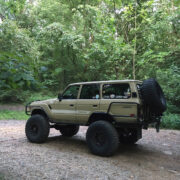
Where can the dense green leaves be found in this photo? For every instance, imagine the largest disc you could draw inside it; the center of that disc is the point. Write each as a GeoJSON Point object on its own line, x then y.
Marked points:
{"type": "Point", "coordinates": [15, 77]}
{"type": "Point", "coordinates": [51, 43]}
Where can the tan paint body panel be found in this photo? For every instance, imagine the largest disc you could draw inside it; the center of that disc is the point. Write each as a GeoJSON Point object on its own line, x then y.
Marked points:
{"type": "Point", "coordinates": [64, 110]}
{"type": "Point", "coordinates": [85, 107]}
{"type": "Point", "coordinates": [120, 108]}
{"type": "Point", "coordinates": [79, 110]}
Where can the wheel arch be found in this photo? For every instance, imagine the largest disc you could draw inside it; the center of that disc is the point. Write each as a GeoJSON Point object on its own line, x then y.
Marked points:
{"type": "Point", "coordinates": [39, 111]}
{"type": "Point", "coordinates": [96, 116]}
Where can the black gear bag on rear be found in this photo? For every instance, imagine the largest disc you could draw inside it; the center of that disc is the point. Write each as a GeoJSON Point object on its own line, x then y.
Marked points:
{"type": "Point", "coordinates": [153, 96]}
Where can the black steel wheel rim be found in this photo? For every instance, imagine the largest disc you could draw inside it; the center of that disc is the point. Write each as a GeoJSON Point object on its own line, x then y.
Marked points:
{"type": "Point", "coordinates": [34, 129]}
{"type": "Point", "coordinates": [99, 138]}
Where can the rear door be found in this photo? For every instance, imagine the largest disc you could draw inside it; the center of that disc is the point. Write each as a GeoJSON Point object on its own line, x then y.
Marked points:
{"type": "Point", "coordinates": [88, 102]}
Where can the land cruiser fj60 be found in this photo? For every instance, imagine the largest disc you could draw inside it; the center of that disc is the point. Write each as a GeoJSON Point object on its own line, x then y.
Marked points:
{"type": "Point", "coordinates": [115, 111]}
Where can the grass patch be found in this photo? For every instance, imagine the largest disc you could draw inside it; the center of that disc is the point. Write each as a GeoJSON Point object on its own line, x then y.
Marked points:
{"type": "Point", "coordinates": [9, 114]}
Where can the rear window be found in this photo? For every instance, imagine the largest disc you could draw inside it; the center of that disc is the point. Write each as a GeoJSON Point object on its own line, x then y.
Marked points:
{"type": "Point", "coordinates": [116, 91]}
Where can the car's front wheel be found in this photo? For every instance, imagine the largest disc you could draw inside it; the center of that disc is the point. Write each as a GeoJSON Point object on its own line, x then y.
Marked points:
{"type": "Point", "coordinates": [102, 138]}
{"type": "Point", "coordinates": [37, 129]}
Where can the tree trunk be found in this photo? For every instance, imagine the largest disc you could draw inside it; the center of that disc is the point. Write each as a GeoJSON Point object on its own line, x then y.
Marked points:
{"type": "Point", "coordinates": [134, 52]}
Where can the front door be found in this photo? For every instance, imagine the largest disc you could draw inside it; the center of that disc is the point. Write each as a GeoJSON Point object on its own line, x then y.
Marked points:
{"type": "Point", "coordinates": [65, 109]}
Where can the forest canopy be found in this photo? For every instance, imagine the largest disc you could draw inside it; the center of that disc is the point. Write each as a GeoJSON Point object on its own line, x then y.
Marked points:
{"type": "Point", "coordinates": [47, 44]}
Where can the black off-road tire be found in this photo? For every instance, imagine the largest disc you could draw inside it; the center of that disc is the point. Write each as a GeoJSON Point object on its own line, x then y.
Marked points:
{"type": "Point", "coordinates": [153, 96]}
{"type": "Point", "coordinates": [69, 130]}
{"type": "Point", "coordinates": [37, 129]}
{"type": "Point", "coordinates": [102, 138]}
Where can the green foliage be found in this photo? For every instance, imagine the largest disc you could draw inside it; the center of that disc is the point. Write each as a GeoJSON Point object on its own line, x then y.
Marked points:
{"type": "Point", "coordinates": [47, 44]}
{"type": "Point", "coordinates": [171, 121]}
{"type": "Point", "coordinates": [18, 41]}
{"type": "Point", "coordinates": [15, 76]}
{"type": "Point", "coordinates": [33, 96]}
{"type": "Point", "coordinates": [169, 80]}
{"type": "Point", "coordinates": [11, 95]}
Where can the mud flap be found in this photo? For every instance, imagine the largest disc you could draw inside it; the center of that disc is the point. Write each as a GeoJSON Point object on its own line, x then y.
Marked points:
{"type": "Point", "coordinates": [139, 133]}
{"type": "Point", "coordinates": [157, 125]}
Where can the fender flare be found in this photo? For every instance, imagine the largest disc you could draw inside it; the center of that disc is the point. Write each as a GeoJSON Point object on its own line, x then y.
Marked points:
{"type": "Point", "coordinates": [95, 116]}
{"type": "Point", "coordinates": [39, 110]}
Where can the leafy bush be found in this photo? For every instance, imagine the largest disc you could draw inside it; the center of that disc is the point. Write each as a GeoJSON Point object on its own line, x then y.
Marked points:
{"type": "Point", "coordinates": [171, 121]}
{"type": "Point", "coordinates": [15, 78]}
{"type": "Point", "coordinates": [12, 96]}
{"type": "Point", "coordinates": [169, 81]}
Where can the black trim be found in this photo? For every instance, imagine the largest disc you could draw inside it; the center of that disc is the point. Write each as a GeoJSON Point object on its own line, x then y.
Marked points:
{"type": "Point", "coordinates": [66, 123]}
{"type": "Point", "coordinates": [117, 124]}
{"type": "Point", "coordinates": [128, 125]}
{"type": "Point", "coordinates": [123, 116]}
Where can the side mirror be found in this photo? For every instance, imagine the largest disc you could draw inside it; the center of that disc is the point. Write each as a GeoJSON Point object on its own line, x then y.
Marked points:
{"type": "Point", "coordinates": [60, 96]}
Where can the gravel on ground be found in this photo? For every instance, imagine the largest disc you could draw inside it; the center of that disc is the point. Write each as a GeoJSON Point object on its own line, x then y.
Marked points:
{"type": "Point", "coordinates": [155, 157]}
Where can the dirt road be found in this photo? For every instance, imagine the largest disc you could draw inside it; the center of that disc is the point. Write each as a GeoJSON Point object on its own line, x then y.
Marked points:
{"type": "Point", "coordinates": [155, 157]}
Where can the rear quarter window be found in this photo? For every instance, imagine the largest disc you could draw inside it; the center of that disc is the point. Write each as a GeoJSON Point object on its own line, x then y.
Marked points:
{"type": "Point", "coordinates": [116, 91]}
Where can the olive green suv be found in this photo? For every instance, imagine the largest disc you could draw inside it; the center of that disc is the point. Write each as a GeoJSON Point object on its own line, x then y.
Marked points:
{"type": "Point", "coordinates": [115, 111]}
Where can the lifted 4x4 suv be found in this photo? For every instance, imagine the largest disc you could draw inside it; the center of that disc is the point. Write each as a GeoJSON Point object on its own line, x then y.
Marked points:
{"type": "Point", "coordinates": [115, 111]}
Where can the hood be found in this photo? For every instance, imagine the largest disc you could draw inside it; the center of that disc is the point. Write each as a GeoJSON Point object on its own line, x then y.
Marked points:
{"type": "Point", "coordinates": [48, 101]}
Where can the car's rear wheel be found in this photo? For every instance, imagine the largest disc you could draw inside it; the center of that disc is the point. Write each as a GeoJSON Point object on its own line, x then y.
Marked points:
{"type": "Point", "coordinates": [37, 129]}
{"type": "Point", "coordinates": [69, 130]}
{"type": "Point", "coordinates": [102, 138]}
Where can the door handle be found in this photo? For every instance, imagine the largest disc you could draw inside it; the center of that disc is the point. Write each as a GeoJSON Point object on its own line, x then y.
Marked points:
{"type": "Point", "coordinates": [94, 105]}
{"type": "Point", "coordinates": [71, 105]}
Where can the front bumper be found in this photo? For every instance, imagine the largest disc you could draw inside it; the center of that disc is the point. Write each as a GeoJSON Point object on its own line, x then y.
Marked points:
{"type": "Point", "coordinates": [27, 108]}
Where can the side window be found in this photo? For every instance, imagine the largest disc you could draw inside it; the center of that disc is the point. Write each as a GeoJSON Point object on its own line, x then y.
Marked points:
{"type": "Point", "coordinates": [71, 92]}
{"type": "Point", "coordinates": [116, 91]}
{"type": "Point", "coordinates": [90, 91]}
